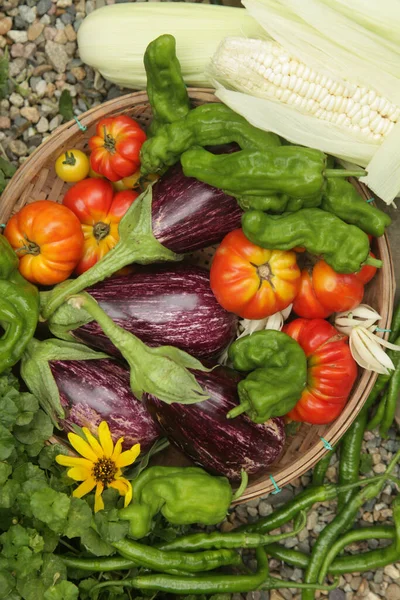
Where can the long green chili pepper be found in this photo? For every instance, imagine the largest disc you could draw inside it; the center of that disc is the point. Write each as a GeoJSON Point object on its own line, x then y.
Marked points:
{"type": "Point", "coordinates": [341, 522]}
{"type": "Point", "coordinates": [234, 539]}
{"type": "Point", "coordinates": [336, 548]}
{"type": "Point", "coordinates": [212, 584]}
{"type": "Point", "coordinates": [393, 392]}
{"type": "Point", "coordinates": [350, 456]}
{"type": "Point", "coordinates": [359, 562]}
{"type": "Point", "coordinates": [158, 560]}
{"type": "Point", "coordinates": [321, 468]}
{"type": "Point", "coordinates": [395, 326]}
{"type": "Point", "coordinates": [115, 563]}
{"type": "Point", "coordinates": [378, 416]}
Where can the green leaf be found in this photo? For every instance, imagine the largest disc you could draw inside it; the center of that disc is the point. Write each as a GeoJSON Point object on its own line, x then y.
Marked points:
{"type": "Point", "coordinates": [7, 168]}
{"type": "Point", "coordinates": [53, 570]}
{"type": "Point", "coordinates": [27, 406]}
{"type": "Point", "coordinates": [8, 411]}
{"type": "Point", "coordinates": [31, 588]}
{"type": "Point", "coordinates": [7, 584]}
{"type": "Point", "coordinates": [94, 544]}
{"type": "Point", "coordinates": [6, 443]}
{"type": "Point", "coordinates": [8, 493]}
{"type": "Point", "coordinates": [51, 507]}
{"type": "Point", "coordinates": [5, 472]}
{"type": "Point", "coordinates": [26, 563]}
{"type": "Point", "coordinates": [110, 528]}
{"type": "Point", "coordinates": [65, 106]}
{"type": "Point", "coordinates": [4, 70]}
{"type": "Point", "coordinates": [28, 472]}
{"type": "Point", "coordinates": [79, 518]}
{"type": "Point", "coordinates": [38, 430]}
{"type": "Point", "coordinates": [47, 457]}
{"type": "Point", "coordinates": [65, 590]}
{"type": "Point", "coordinates": [365, 464]}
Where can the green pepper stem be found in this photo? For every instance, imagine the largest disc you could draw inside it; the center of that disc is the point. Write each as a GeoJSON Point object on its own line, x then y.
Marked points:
{"type": "Point", "coordinates": [373, 262]}
{"type": "Point", "coordinates": [332, 173]}
{"type": "Point", "coordinates": [243, 485]}
{"type": "Point", "coordinates": [238, 410]}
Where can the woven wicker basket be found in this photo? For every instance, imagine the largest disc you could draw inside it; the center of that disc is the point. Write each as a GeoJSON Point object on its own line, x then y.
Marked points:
{"type": "Point", "coordinates": [36, 180]}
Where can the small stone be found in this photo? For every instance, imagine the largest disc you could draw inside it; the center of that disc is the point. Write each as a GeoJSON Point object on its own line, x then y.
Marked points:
{"type": "Point", "coordinates": [5, 25]}
{"type": "Point", "coordinates": [89, 7]}
{"type": "Point", "coordinates": [376, 458]}
{"type": "Point", "coordinates": [274, 595]}
{"type": "Point", "coordinates": [70, 33]}
{"type": "Point", "coordinates": [70, 48]}
{"type": "Point", "coordinates": [29, 49]}
{"type": "Point", "coordinates": [380, 468]}
{"type": "Point", "coordinates": [50, 33]}
{"type": "Point", "coordinates": [14, 112]}
{"type": "Point", "coordinates": [227, 526]}
{"type": "Point", "coordinates": [393, 592]}
{"type": "Point", "coordinates": [30, 113]}
{"type": "Point", "coordinates": [64, 3]}
{"type": "Point", "coordinates": [378, 576]}
{"type": "Point", "coordinates": [355, 583]}
{"type": "Point", "coordinates": [264, 508]}
{"type": "Point", "coordinates": [16, 100]}
{"type": "Point", "coordinates": [5, 123]}
{"type": "Point", "coordinates": [17, 50]}
{"type": "Point", "coordinates": [312, 520]}
{"type": "Point", "coordinates": [3, 42]}
{"type": "Point", "coordinates": [41, 88]}
{"type": "Point", "coordinates": [392, 572]}
{"type": "Point", "coordinates": [253, 512]}
{"type": "Point", "coordinates": [46, 20]}
{"type": "Point", "coordinates": [19, 37]}
{"type": "Point", "coordinates": [42, 69]}
{"type": "Point", "coordinates": [27, 13]}
{"type": "Point", "coordinates": [372, 596]}
{"type": "Point", "coordinates": [368, 517]}
{"type": "Point", "coordinates": [35, 30]}
{"type": "Point", "coordinates": [60, 37]}
{"type": "Point", "coordinates": [18, 148]}
{"type": "Point", "coordinates": [20, 121]}
{"type": "Point", "coordinates": [43, 6]}
{"type": "Point", "coordinates": [57, 56]}
{"type": "Point", "coordinates": [67, 19]}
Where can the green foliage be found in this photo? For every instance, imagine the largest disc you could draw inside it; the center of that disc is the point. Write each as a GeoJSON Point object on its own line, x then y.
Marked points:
{"type": "Point", "coordinates": [365, 464]}
{"type": "Point", "coordinates": [4, 71]}
{"type": "Point", "coordinates": [65, 106]}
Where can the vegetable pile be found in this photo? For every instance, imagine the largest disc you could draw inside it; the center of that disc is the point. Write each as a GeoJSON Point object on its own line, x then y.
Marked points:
{"type": "Point", "coordinates": [144, 354]}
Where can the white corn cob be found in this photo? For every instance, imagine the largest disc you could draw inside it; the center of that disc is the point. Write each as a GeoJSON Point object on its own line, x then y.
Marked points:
{"type": "Point", "coordinates": [265, 69]}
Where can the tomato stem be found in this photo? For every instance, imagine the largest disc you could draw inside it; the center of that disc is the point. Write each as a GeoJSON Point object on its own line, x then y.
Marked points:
{"type": "Point", "coordinates": [101, 230]}
{"type": "Point", "coordinates": [69, 159]}
{"type": "Point", "coordinates": [109, 141]}
{"type": "Point", "coordinates": [28, 247]}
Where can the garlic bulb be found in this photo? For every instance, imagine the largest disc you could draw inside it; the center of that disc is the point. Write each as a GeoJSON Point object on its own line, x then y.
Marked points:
{"type": "Point", "coordinates": [365, 346]}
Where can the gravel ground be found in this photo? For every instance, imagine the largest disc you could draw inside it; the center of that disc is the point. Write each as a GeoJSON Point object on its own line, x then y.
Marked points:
{"type": "Point", "coordinates": [41, 38]}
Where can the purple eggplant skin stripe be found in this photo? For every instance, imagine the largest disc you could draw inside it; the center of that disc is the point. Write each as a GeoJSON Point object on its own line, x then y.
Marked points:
{"type": "Point", "coordinates": [204, 434]}
{"type": "Point", "coordinates": [163, 305]}
{"type": "Point", "coordinates": [188, 215]}
{"type": "Point", "coordinates": [92, 391]}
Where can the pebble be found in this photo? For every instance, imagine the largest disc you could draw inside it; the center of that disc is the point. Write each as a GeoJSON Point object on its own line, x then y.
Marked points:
{"type": "Point", "coordinates": [392, 572]}
{"type": "Point", "coordinates": [57, 56]}
{"type": "Point", "coordinates": [5, 123]}
{"type": "Point", "coordinates": [16, 99]}
{"type": "Point", "coordinates": [5, 25]}
{"type": "Point", "coordinates": [19, 37]}
{"type": "Point", "coordinates": [70, 33]}
{"type": "Point", "coordinates": [29, 50]}
{"type": "Point", "coordinates": [17, 50]}
{"type": "Point", "coordinates": [18, 147]}
{"type": "Point", "coordinates": [43, 6]}
{"type": "Point", "coordinates": [60, 37]}
{"type": "Point", "coordinates": [30, 113]}
{"type": "Point", "coordinates": [34, 31]}
{"type": "Point", "coordinates": [27, 13]}
{"type": "Point", "coordinates": [264, 508]}
{"type": "Point", "coordinates": [64, 3]}
{"type": "Point", "coordinates": [393, 592]}
{"type": "Point", "coordinates": [379, 468]}
{"type": "Point", "coordinates": [3, 42]}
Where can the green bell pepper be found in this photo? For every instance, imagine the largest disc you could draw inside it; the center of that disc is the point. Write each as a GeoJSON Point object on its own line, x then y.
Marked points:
{"type": "Point", "coordinates": [19, 308]}
{"type": "Point", "coordinates": [344, 247]}
{"type": "Point", "coordinates": [278, 375]}
{"type": "Point", "coordinates": [184, 495]}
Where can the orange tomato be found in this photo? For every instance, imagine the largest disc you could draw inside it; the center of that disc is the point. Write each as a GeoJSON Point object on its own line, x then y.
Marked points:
{"type": "Point", "coordinates": [250, 281]}
{"type": "Point", "coordinates": [48, 239]}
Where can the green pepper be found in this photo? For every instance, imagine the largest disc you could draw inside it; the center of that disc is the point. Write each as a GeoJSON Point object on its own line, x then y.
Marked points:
{"type": "Point", "coordinates": [278, 375]}
{"type": "Point", "coordinates": [19, 308]}
{"type": "Point", "coordinates": [184, 495]}
{"type": "Point", "coordinates": [278, 203]}
{"type": "Point", "coordinates": [207, 125]}
{"type": "Point", "coordinates": [343, 200]}
{"type": "Point", "coordinates": [344, 247]}
{"type": "Point", "coordinates": [166, 89]}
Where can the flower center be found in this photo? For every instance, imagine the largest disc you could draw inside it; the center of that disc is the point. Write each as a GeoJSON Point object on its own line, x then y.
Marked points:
{"type": "Point", "coordinates": [104, 470]}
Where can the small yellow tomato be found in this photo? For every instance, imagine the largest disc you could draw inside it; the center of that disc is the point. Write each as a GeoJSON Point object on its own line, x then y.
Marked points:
{"type": "Point", "coordinates": [127, 183]}
{"type": "Point", "coordinates": [93, 174]}
{"type": "Point", "coordinates": [72, 166]}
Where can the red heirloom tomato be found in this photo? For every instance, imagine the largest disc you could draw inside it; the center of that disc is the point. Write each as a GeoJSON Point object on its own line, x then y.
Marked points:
{"type": "Point", "coordinates": [250, 281]}
{"type": "Point", "coordinates": [324, 292]}
{"type": "Point", "coordinates": [367, 272]}
{"type": "Point", "coordinates": [116, 147]}
{"type": "Point", "coordinates": [99, 212]}
{"type": "Point", "coordinates": [48, 239]}
{"type": "Point", "coordinates": [331, 373]}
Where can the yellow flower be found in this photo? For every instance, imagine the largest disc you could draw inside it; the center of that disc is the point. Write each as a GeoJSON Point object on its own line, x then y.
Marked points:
{"type": "Point", "coordinates": [101, 465]}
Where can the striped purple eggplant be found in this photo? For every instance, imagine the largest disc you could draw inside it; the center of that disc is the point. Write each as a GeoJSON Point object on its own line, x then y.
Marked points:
{"type": "Point", "coordinates": [163, 305]}
{"type": "Point", "coordinates": [204, 434]}
{"type": "Point", "coordinates": [188, 214]}
{"type": "Point", "coordinates": [92, 391]}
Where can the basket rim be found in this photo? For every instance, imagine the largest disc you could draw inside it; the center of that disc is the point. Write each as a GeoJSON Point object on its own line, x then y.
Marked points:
{"type": "Point", "coordinates": [29, 169]}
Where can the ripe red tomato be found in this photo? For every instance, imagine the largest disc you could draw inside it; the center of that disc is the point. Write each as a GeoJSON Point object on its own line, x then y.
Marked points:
{"type": "Point", "coordinates": [331, 372]}
{"type": "Point", "coordinates": [324, 292]}
{"type": "Point", "coordinates": [99, 212]}
{"type": "Point", "coordinates": [116, 147]}
{"type": "Point", "coordinates": [250, 281]}
{"type": "Point", "coordinates": [48, 239]}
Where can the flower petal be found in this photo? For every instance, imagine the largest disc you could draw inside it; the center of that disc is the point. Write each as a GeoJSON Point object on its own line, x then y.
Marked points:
{"type": "Point", "coordinates": [73, 461]}
{"type": "Point", "coordinates": [105, 439]}
{"type": "Point", "coordinates": [98, 500]}
{"type": "Point", "coordinates": [93, 442]}
{"type": "Point", "coordinates": [120, 485]}
{"type": "Point", "coordinates": [117, 449]}
{"type": "Point", "coordinates": [128, 495]}
{"type": "Point", "coordinates": [84, 488]}
{"type": "Point", "coordinates": [128, 457]}
{"type": "Point", "coordinates": [79, 473]}
{"type": "Point", "coordinates": [82, 447]}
